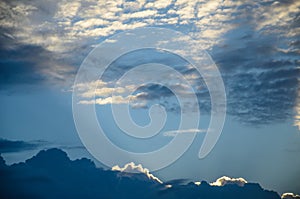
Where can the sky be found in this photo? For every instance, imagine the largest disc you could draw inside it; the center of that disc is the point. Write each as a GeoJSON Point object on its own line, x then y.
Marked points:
{"type": "Point", "coordinates": [253, 45]}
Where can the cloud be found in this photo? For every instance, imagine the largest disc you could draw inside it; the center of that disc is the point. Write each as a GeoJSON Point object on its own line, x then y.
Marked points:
{"type": "Point", "coordinates": [104, 92]}
{"type": "Point", "coordinates": [18, 65]}
{"type": "Point", "coordinates": [227, 180]}
{"type": "Point", "coordinates": [51, 174]}
{"type": "Point", "coordinates": [90, 23]}
{"type": "Point", "coordinates": [289, 196]}
{"type": "Point", "coordinates": [140, 14]}
{"type": "Point", "coordinates": [175, 132]}
{"type": "Point", "coordinates": [45, 41]}
{"type": "Point", "coordinates": [30, 65]}
{"type": "Point", "coordinates": [158, 4]}
{"type": "Point", "coordinates": [141, 95]}
{"type": "Point", "coordinates": [132, 168]}
{"type": "Point", "coordinates": [117, 99]}
{"type": "Point", "coordinates": [254, 67]}
{"type": "Point", "coordinates": [8, 146]}
{"type": "Point", "coordinates": [272, 81]}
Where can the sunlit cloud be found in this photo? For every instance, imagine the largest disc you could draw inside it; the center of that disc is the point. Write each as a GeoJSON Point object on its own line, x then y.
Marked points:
{"type": "Point", "coordinates": [158, 4]}
{"type": "Point", "coordinates": [227, 180]}
{"type": "Point", "coordinates": [290, 196]}
{"type": "Point", "coordinates": [197, 183]}
{"type": "Point", "coordinates": [133, 168]}
{"type": "Point", "coordinates": [111, 100]}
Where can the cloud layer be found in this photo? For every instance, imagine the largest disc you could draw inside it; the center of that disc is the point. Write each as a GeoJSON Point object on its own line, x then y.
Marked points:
{"type": "Point", "coordinates": [255, 44]}
{"type": "Point", "coordinates": [51, 174]}
{"type": "Point", "coordinates": [8, 146]}
{"type": "Point", "coordinates": [175, 132]}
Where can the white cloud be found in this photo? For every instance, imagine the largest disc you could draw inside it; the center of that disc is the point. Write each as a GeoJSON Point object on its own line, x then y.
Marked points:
{"type": "Point", "coordinates": [139, 105]}
{"type": "Point", "coordinates": [160, 4]}
{"type": "Point", "coordinates": [227, 180]}
{"type": "Point", "coordinates": [132, 100]}
{"type": "Point", "coordinates": [140, 14]}
{"type": "Point", "coordinates": [197, 183]}
{"type": "Point", "coordinates": [132, 168]}
{"type": "Point", "coordinates": [207, 8]}
{"type": "Point", "coordinates": [175, 132]}
{"type": "Point", "coordinates": [102, 92]}
{"type": "Point", "coordinates": [85, 87]}
{"type": "Point", "coordinates": [68, 9]}
{"type": "Point", "coordinates": [133, 5]}
{"type": "Point", "coordinates": [105, 93]}
{"type": "Point", "coordinates": [168, 186]}
{"type": "Point", "coordinates": [284, 13]}
{"type": "Point", "coordinates": [88, 23]}
{"type": "Point", "coordinates": [103, 18]}
{"type": "Point", "coordinates": [109, 100]}
{"type": "Point", "coordinates": [186, 9]}
{"type": "Point", "coordinates": [13, 16]}
{"type": "Point", "coordinates": [290, 196]}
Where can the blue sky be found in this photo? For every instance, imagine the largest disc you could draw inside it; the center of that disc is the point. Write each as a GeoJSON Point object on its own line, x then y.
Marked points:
{"type": "Point", "coordinates": [254, 44]}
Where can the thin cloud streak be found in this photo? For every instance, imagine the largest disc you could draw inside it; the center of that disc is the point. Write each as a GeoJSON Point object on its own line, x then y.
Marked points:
{"type": "Point", "coordinates": [184, 131]}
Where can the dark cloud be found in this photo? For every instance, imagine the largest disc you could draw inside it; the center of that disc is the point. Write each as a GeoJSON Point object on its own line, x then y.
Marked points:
{"type": "Point", "coordinates": [51, 174]}
{"type": "Point", "coordinates": [8, 146]}
{"type": "Point", "coordinates": [142, 56]}
{"type": "Point", "coordinates": [260, 73]}
{"type": "Point", "coordinates": [204, 190]}
{"type": "Point", "coordinates": [26, 63]}
{"type": "Point", "coordinates": [16, 68]}
{"type": "Point", "coordinates": [34, 66]}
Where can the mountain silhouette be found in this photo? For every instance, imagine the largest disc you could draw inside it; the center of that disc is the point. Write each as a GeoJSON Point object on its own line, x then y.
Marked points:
{"type": "Point", "coordinates": [51, 174]}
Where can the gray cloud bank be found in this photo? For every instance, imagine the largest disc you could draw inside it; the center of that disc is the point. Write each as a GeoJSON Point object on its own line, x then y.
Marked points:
{"type": "Point", "coordinates": [51, 174]}
{"type": "Point", "coordinates": [9, 146]}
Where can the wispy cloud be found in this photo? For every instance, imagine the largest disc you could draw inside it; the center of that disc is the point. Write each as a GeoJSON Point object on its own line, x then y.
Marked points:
{"type": "Point", "coordinates": [184, 131]}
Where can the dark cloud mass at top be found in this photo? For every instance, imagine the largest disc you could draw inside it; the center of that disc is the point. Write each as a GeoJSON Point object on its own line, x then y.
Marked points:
{"type": "Point", "coordinates": [255, 44]}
